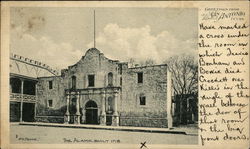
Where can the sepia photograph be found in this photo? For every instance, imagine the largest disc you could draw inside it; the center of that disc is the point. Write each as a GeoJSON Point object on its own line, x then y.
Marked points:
{"type": "Point", "coordinates": [103, 75]}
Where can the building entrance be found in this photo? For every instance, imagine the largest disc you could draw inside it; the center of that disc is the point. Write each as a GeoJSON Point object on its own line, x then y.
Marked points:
{"type": "Point", "coordinates": [28, 112]}
{"type": "Point", "coordinates": [91, 112]}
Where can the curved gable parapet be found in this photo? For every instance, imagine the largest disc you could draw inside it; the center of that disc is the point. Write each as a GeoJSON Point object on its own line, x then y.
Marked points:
{"type": "Point", "coordinates": [92, 51]}
{"type": "Point", "coordinates": [92, 63]}
{"type": "Point", "coordinates": [90, 56]}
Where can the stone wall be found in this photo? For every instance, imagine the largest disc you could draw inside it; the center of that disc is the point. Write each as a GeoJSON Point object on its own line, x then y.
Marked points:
{"type": "Point", "coordinates": [143, 122]}
{"type": "Point", "coordinates": [56, 94]}
{"type": "Point", "coordinates": [154, 88]}
{"type": "Point", "coordinates": [50, 119]}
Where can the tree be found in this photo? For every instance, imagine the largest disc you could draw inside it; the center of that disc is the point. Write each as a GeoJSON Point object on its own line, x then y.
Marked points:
{"type": "Point", "coordinates": [131, 62]}
{"type": "Point", "coordinates": [184, 71]}
{"type": "Point", "coordinates": [150, 62]}
{"type": "Point", "coordinates": [147, 62]}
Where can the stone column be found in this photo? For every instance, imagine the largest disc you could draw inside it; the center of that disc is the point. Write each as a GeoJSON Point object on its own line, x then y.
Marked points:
{"type": "Point", "coordinates": [66, 116]}
{"type": "Point", "coordinates": [83, 115]}
{"type": "Point", "coordinates": [115, 117]}
{"type": "Point", "coordinates": [78, 114]}
{"type": "Point", "coordinates": [35, 102]}
{"type": "Point", "coordinates": [116, 77]}
{"type": "Point", "coordinates": [21, 105]}
{"type": "Point", "coordinates": [103, 114]}
{"type": "Point", "coordinates": [169, 100]}
{"type": "Point", "coordinates": [10, 86]}
{"type": "Point", "coordinates": [105, 80]}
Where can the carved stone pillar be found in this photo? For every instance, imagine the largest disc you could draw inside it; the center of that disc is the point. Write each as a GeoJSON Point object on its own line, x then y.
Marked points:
{"type": "Point", "coordinates": [21, 105]}
{"type": "Point", "coordinates": [103, 114]}
{"type": "Point", "coordinates": [115, 117]}
{"type": "Point", "coordinates": [77, 117]}
{"type": "Point", "coordinates": [83, 115]}
{"type": "Point", "coordinates": [66, 116]}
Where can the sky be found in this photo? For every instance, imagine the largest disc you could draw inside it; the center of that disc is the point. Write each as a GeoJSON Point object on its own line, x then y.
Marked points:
{"type": "Point", "coordinates": [59, 37]}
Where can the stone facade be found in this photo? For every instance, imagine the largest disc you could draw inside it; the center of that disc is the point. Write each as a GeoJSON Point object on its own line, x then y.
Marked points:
{"type": "Point", "coordinates": [154, 88]}
{"type": "Point", "coordinates": [56, 93]}
{"type": "Point", "coordinates": [97, 90]}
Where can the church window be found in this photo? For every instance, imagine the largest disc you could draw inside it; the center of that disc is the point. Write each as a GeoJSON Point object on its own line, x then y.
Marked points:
{"type": "Point", "coordinates": [50, 103]}
{"type": "Point", "coordinates": [50, 84]}
{"type": "Point", "coordinates": [140, 77]}
{"type": "Point", "coordinates": [110, 79]}
{"type": "Point", "coordinates": [73, 82]}
{"type": "Point", "coordinates": [120, 68]}
{"type": "Point", "coordinates": [142, 100]}
{"type": "Point", "coordinates": [120, 81]}
{"type": "Point", "coordinates": [91, 80]}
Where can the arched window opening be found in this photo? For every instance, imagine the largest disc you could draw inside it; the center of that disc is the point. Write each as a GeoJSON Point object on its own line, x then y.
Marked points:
{"type": "Point", "coordinates": [110, 79]}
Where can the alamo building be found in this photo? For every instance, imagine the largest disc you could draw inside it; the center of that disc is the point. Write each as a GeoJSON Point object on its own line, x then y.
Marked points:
{"type": "Point", "coordinates": [95, 90]}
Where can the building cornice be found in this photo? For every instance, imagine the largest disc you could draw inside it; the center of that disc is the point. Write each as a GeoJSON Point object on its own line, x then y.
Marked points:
{"type": "Point", "coordinates": [33, 63]}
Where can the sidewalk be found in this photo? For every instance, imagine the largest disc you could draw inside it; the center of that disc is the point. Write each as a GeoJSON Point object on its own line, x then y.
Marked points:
{"type": "Point", "coordinates": [190, 129]}
{"type": "Point", "coordinates": [118, 128]}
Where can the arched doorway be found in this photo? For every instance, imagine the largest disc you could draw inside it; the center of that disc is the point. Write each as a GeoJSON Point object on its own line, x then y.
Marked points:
{"type": "Point", "coordinates": [91, 112]}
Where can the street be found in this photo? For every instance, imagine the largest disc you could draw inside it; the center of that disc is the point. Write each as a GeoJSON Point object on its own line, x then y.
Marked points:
{"type": "Point", "coordinates": [57, 135]}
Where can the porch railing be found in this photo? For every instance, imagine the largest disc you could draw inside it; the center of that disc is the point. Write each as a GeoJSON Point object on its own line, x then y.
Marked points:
{"type": "Point", "coordinates": [26, 98]}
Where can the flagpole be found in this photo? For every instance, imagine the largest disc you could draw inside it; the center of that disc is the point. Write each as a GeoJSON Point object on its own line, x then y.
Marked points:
{"type": "Point", "coordinates": [94, 28]}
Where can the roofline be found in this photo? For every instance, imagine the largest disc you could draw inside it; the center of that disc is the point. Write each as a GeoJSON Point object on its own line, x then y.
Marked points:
{"type": "Point", "coordinates": [149, 66]}
{"type": "Point", "coordinates": [48, 77]}
{"type": "Point", "coordinates": [23, 77]}
{"type": "Point", "coordinates": [36, 63]}
{"type": "Point", "coordinates": [100, 53]}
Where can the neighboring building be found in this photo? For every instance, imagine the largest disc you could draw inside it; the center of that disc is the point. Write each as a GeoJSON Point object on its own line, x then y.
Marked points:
{"type": "Point", "coordinates": [185, 109]}
{"type": "Point", "coordinates": [23, 80]}
{"type": "Point", "coordinates": [97, 90]}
